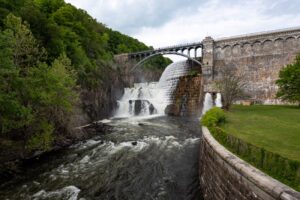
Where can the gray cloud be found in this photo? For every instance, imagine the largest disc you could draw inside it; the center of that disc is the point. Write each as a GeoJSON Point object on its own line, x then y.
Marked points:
{"type": "Point", "coordinates": [168, 22]}
{"type": "Point", "coordinates": [282, 7]}
{"type": "Point", "coordinates": [130, 15]}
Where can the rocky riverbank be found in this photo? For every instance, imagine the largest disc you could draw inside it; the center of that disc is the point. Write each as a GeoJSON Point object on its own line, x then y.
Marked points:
{"type": "Point", "coordinates": [13, 161]}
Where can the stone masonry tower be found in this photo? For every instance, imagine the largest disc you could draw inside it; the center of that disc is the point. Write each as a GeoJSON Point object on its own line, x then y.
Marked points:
{"type": "Point", "coordinates": [208, 61]}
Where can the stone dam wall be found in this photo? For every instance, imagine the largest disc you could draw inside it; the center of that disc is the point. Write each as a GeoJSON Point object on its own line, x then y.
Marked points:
{"type": "Point", "coordinates": [225, 176]}
{"type": "Point", "coordinates": [260, 56]}
{"type": "Point", "coordinates": [188, 95]}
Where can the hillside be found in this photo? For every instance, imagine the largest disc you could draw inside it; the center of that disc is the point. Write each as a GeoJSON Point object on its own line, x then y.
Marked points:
{"type": "Point", "coordinates": [56, 72]}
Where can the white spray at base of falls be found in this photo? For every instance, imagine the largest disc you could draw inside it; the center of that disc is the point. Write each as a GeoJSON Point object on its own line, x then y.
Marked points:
{"type": "Point", "coordinates": [218, 100]}
{"type": "Point", "coordinates": [146, 99]}
{"type": "Point", "coordinates": [208, 103]}
{"type": "Point", "coordinates": [143, 99]}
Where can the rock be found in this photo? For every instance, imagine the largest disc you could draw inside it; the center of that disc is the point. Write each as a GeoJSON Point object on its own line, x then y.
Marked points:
{"type": "Point", "coordinates": [137, 107]}
{"type": "Point", "coordinates": [172, 110]}
{"type": "Point", "coordinates": [152, 109]}
{"type": "Point", "coordinates": [134, 143]}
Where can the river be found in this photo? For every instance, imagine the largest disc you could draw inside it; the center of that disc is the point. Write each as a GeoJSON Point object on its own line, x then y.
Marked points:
{"type": "Point", "coordinates": [142, 158]}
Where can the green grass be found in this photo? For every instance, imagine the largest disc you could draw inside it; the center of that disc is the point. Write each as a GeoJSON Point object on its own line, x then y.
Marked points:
{"type": "Point", "coordinates": [274, 128]}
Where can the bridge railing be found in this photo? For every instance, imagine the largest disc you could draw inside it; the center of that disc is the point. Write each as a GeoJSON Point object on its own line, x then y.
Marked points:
{"type": "Point", "coordinates": [196, 44]}
{"type": "Point", "coordinates": [180, 46]}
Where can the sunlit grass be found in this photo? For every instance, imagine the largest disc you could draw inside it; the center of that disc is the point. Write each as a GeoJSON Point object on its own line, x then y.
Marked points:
{"type": "Point", "coordinates": [274, 128]}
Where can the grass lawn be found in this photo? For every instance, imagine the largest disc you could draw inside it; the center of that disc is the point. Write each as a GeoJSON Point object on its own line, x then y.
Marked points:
{"type": "Point", "coordinates": [274, 128]}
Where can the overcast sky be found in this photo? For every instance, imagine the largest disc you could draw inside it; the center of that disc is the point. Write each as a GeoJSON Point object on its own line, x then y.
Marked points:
{"type": "Point", "coordinates": [169, 22]}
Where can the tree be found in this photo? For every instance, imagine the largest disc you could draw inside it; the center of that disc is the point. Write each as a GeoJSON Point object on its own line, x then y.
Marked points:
{"type": "Point", "coordinates": [36, 99]}
{"type": "Point", "coordinates": [26, 51]}
{"type": "Point", "coordinates": [50, 91]}
{"type": "Point", "coordinates": [231, 84]}
{"type": "Point", "coordinates": [289, 82]}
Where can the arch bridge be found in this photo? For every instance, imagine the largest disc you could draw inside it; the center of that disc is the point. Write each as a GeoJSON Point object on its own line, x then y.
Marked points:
{"type": "Point", "coordinates": [176, 50]}
{"type": "Point", "coordinates": [165, 53]}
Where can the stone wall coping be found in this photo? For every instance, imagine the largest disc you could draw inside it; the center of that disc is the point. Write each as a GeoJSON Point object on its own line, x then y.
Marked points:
{"type": "Point", "coordinates": [260, 34]}
{"type": "Point", "coordinates": [271, 186]}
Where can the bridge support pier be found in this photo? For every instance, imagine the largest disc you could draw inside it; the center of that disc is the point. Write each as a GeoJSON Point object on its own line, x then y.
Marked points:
{"type": "Point", "coordinates": [208, 63]}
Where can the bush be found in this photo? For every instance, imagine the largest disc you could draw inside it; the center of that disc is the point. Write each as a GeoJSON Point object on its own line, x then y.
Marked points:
{"type": "Point", "coordinates": [213, 117]}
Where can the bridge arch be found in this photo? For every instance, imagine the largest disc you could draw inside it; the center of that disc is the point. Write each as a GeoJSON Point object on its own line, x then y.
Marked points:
{"type": "Point", "coordinates": [165, 53]}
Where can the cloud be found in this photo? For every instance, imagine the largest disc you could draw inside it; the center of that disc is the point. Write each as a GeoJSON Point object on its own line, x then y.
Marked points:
{"type": "Point", "coordinates": [168, 22]}
{"type": "Point", "coordinates": [130, 15]}
{"type": "Point", "coordinates": [218, 19]}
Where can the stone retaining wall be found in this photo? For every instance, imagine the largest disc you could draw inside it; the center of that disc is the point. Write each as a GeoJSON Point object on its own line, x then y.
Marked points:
{"type": "Point", "coordinates": [225, 176]}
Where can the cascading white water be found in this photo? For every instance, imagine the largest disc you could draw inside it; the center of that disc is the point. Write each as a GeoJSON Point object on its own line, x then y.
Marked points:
{"type": "Point", "coordinates": [208, 103]}
{"type": "Point", "coordinates": [141, 100]}
{"type": "Point", "coordinates": [152, 98]}
{"type": "Point", "coordinates": [170, 77]}
{"type": "Point", "coordinates": [218, 100]}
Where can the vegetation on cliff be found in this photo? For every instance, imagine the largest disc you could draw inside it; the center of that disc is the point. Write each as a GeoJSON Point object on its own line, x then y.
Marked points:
{"type": "Point", "coordinates": [51, 56]}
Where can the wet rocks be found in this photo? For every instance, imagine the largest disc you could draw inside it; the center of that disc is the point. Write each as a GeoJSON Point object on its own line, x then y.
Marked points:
{"type": "Point", "coordinates": [172, 110]}
{"type": "Point", "coordinates": [92, 130]}
{"type": "Point", "coordinates": [137, 107]}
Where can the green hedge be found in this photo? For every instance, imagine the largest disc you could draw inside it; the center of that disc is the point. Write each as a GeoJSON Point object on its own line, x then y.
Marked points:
{"type": "Point", "coordinates": [283, 169]}
{"type": "Point", "coordinates": [213, 117]}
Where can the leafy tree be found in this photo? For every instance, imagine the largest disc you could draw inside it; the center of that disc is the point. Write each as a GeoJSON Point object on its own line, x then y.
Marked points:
{"type": "Point", "coordinates": [289, 82]}
{"type": "Point", "coordinates": [36, 99]}
{"type": "Point", "coordinates": [14, 114]}
{"type": "Point", "coordinates": [49, 6]}
{"type": "Point", "coordinates": [26, 49]}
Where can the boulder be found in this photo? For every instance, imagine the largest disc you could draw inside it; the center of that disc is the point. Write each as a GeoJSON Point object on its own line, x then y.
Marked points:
{"type": "Point", "coordinates": [172, 110]}
{"type": "Point", "coordinates": [137, 107]}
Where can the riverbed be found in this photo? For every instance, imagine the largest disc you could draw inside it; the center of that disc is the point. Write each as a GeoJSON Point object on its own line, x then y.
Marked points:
{"type": "Point", "coordinates": [140, 159]}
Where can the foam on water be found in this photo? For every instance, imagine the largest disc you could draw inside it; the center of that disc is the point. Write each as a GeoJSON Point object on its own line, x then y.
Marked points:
{"type": "Point", "coordinates": [66, 193]}
{"type": "Point", "coordinates": [156, 152]}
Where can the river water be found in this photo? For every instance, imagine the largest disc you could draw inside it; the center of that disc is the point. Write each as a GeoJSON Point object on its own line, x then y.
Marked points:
{"type": "Point", "coordinates": [141, 159]}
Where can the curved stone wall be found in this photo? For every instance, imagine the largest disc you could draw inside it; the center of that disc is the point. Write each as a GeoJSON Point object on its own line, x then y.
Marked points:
{"type": "Point", "coordinates": [225, 176]}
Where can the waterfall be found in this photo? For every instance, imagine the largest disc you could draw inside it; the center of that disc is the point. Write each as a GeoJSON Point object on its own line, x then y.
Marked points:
{"type": "Point", "coordinates": [208, 103]}
{"type": "Point", "coordinates": [141, 100]}
{"type": "Point", "coordinates": [218, 100]}
{"type": "Point", "coordinates": [170, 78]}
{"type": "Point", "coordinates": [152, 98]}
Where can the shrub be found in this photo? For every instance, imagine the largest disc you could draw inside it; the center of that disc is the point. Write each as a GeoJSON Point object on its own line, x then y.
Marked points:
{"type": "Point", "coordinates": [213, 117]}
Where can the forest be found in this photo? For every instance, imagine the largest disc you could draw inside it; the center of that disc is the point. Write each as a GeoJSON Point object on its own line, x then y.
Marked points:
{"type": "Point", "coordinates": [52, 56]}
